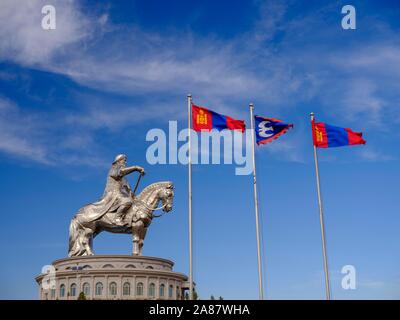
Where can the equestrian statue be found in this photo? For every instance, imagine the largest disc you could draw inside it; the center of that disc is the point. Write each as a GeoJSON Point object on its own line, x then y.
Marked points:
{"type": "Point", "coordinates": [119, 210]}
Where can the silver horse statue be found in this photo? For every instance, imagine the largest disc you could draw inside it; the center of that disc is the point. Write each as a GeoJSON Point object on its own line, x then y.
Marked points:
{"type": "Point", "coordinates": [119, 211]}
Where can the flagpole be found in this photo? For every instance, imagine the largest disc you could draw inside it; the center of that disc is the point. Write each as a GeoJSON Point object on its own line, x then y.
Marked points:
{"type": "Point", "coordinates": [260, 281]}
{"type": "Point", "coordinates": [189, 97]}
{"type": "Point", "coordinates": [321, 219]}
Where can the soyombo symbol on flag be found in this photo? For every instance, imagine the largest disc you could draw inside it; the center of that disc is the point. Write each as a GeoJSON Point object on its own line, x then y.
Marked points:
{"type": "Point", "coordinates": [268, 129]}
{"type": "Point", "coordinates": [328, 136]}
{"type": "Point", "coordinates": [204, 119]}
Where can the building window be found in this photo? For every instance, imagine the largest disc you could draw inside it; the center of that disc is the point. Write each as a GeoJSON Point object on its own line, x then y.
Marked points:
{"type": "Point", "coordinates": [86, 289]}
{"type": "Point", "coordinates": [62, 290]}
{"type": "Point", "coordinates": [99, 289]}
{"type": "Point", "coordinates": [178, 296]}
{"type": "Point", "coordinates": [170, 291]}
{"type": "Point", "coordinates": [126, 289]}
{"type": "Point", "coordinates": [73, 290]}
{"type": "Point", "coordinates": [162, 290]}
{"type": "Point", "coordinates": [53, 293]}
{"type": "Point", "coordinates": [139, 289]}
{"type": "Point", "coordinates": [112, 289]}
{"type": "Point", "coordinates": [152, 290]}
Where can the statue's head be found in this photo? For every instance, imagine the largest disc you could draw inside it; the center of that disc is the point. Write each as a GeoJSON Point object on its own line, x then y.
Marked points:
{"type": "Point", "coordinates": [121, 158]}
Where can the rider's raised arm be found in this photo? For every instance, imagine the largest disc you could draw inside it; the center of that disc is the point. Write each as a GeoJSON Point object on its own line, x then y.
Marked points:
{"type": "Point", "coordinates": [128, 170]}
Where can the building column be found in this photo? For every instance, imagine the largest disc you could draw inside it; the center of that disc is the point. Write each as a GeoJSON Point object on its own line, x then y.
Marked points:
{"type": "Point", "coordinates": [133, 288]}
{"type": "Point", "coordinates": [106, 288]}
{"type": "Point", "coordinates": [121, 289]}
{"type": "Point", "coordinates": [67, 293]}
{"type": "Point", "coordinates": [92, 289]}
{"type": "Point", "coordinates": [146, 289]}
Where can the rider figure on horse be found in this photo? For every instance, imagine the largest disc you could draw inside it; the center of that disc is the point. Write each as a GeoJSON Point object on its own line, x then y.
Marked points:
{"type": "Point", "coordinates": [118, 211]}
{"type": "Point", "coordinates": [118, 186]}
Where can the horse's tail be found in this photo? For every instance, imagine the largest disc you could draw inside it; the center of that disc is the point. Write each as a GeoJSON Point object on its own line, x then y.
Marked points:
{"type": "Point", "coordinates": [73, 236]}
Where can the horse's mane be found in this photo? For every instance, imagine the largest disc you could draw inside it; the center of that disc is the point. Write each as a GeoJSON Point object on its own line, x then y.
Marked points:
{"type": "Point", "coordinates": [151, 187]}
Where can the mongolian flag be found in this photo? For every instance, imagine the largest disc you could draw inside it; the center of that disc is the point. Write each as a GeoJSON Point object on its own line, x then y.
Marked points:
{"type": "Point", "coordinates": [327, 136]}
{"type": "Point", "coordinates": [268, 129]}
{"type": "Point", "coordinates": [204, 119]}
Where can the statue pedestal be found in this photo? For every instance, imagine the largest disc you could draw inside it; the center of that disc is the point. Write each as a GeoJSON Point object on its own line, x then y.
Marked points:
{"type": "Point", "coordinates": [113, 277]}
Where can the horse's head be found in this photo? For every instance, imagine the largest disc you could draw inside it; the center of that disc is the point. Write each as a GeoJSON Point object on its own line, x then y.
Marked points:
{"type": "Point", "coordinates": [159, 191]}
{"type": "Point", "coordinates": [167, 195]}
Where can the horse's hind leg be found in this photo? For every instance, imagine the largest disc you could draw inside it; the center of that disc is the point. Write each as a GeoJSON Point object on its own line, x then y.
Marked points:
{"type": "Point", "coordinates": [88, 241]}
{"type": "Point", "coordinates": [79, 239]}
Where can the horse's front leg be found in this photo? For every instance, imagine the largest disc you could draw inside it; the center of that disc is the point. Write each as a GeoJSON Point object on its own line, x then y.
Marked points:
{"type": "Point", "coordinates": [137, 228]}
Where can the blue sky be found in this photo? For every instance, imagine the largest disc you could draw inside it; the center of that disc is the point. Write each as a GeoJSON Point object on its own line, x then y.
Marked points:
{"type": "Point", "coordinates": [74, 97]}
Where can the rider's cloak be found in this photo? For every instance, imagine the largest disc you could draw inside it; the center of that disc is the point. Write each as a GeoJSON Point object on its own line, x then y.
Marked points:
{"type": "Point", "coordinates": [116, 193]}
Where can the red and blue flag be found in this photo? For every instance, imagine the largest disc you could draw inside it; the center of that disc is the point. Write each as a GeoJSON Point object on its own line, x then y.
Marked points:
{"type": "Point", "coordinates": [204, 119]}
{"type": "Point", "coordinates": [268, 129]}
{"type": "Point", "coordinates": [328, 136]}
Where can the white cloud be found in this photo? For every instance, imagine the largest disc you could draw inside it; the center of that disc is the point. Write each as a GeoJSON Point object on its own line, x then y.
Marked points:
{"type": "Point", "coordinates": [16, 135]}
{"type": "Point", "coordinates": [22, 38]}
{"type": "Point", "coordinates": [36, 137]}
{"type": "Point", "coordinates": [130, 61]}
{"type": "Point", "coordinates": [360, 97]}
{"type": "Point", "coordinates": [372, 284]}
{"type": "Point", "coordinates": [287, 150]}
{"type": "Point", "coordinates": [271, 19]}
{"type": "Point", "coordinates": [372, 155]}
{"type": "Point", "coordinates": [303, 66]}
{"type": "Point", "coordinates": [97, 114]}
{"type": "Point", "coordinates": [68, 138]}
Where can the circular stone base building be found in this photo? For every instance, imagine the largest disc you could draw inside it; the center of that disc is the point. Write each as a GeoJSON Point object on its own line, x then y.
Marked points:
{"type": "Point", "coordinates": [112, 277]}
